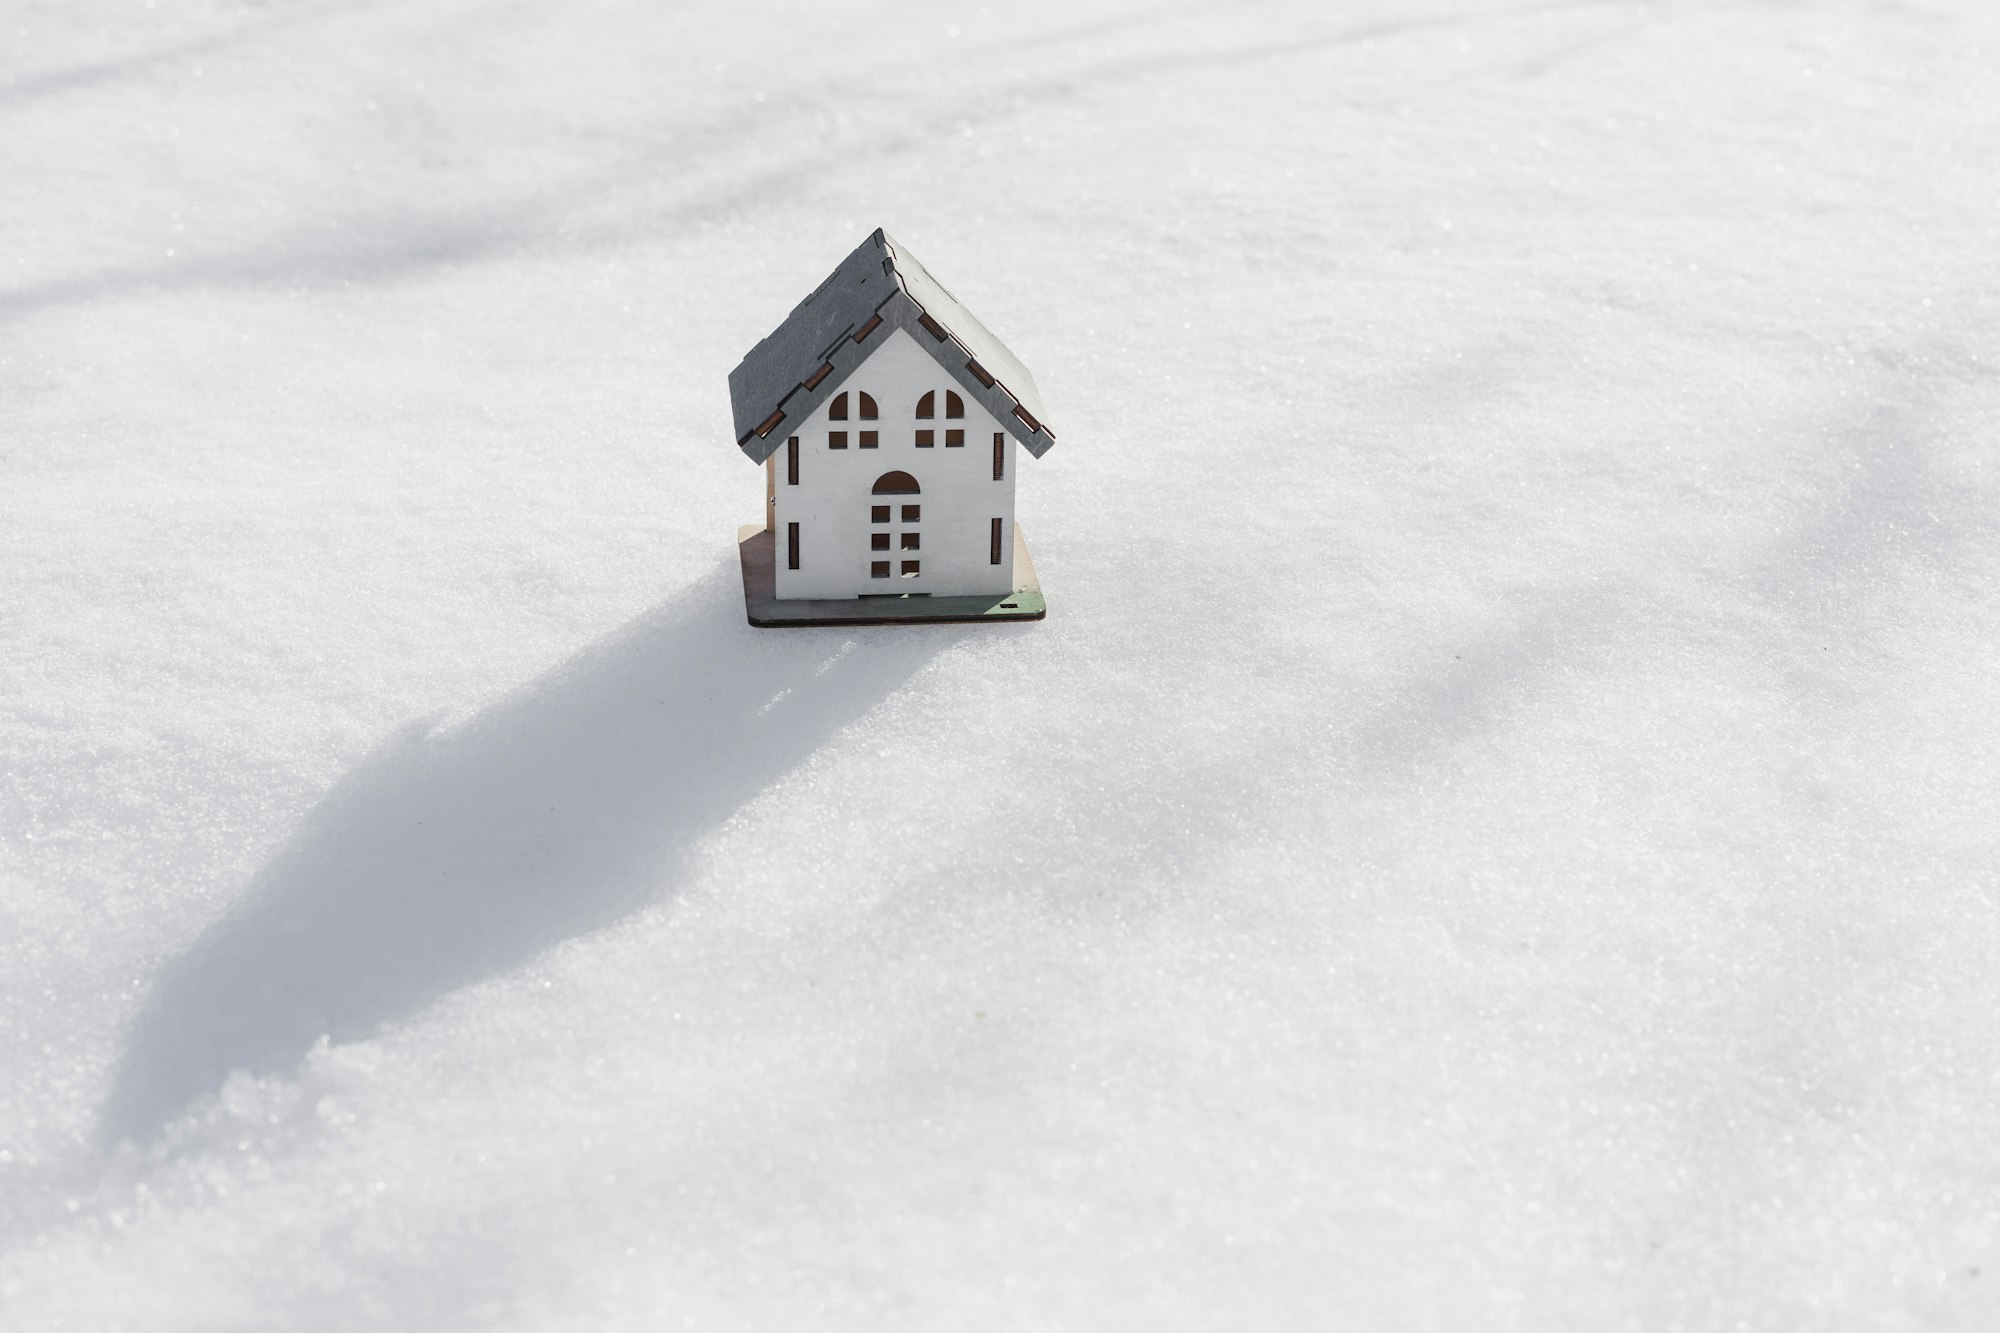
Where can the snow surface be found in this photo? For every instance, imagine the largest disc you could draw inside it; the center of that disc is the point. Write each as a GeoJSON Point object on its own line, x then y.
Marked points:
{"type": "Point", "coordinates": [1498, 830]}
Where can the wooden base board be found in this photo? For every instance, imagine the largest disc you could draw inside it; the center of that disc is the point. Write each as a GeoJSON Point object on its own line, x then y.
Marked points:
{"type": "Point", "coordinates": [758, 549]}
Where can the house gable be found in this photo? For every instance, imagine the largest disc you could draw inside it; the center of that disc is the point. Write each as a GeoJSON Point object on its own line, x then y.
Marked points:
{"type": "Point", "coordinates": [837, 486]}
{"type": "Point", "coordinates": [876, 290]}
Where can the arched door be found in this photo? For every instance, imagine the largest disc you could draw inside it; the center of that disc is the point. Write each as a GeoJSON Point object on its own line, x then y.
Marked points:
{"type": "Point", "coordinates": [895, 533]}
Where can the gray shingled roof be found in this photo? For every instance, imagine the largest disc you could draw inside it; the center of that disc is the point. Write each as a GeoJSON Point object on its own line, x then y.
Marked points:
{"type": "Point", "coordinates": [878, 288]}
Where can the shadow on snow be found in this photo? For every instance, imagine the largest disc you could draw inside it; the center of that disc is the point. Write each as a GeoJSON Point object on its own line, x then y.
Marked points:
{"type": "Point", "coordinates": [449, 856]}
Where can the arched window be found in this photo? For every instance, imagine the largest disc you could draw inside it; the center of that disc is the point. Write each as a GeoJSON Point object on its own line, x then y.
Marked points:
{"type": "Point", "coordinates": [838, 412]}
{"type": "Point", "coordinates": [868, 412]}
{"type": "Point", "coordinates": [954, 406]}
{"type": "Point", "coordinates": [896, 483]}
{"type": "Point", "coordinates": [927, 406]}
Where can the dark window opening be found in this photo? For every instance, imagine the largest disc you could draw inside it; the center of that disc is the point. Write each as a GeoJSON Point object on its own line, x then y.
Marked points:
{"type": "Point", "coordinates": [926, 438]}
{"type": "Point", "coordinates": [911, 513]}
{"type": "Point", "coordinates": [999, 455]}
{"type": "Point", "coordinates": [927, 406]}
{"type": "Point", "coordinates": [791, 546]}
{"type": "Point", "coordinates": [868, 412]}
{"type": "Point", "coordinates": [837, 412]}
{"type": "Point", "coordinates": [870, 438]}
{"type": "Point", "coordinates": [910, 568]}
{"type": "Point", "coordinates": [913, 541]}
{"type": "Point", "coordinates": [878, 514]}
{"type": "Point", "coordinates": [878, 569]}
{"type": "Point", "coordinates": [878, 541]}
{"type": "Point", "coordinates": [896, 483]}
{"type": "Point", "coordinates": [836, 439]}
{"type": "Point", "coordinates": [954, 439]}
{"type": "Point", "coordinates": [792, 461]}
{"type": "Point", "coordinates": [954, 406]}
{"type": "Point", "coordinates": [996, 542]}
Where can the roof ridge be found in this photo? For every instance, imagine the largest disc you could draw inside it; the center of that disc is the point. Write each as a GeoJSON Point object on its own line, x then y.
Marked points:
{"type": "Point", "coordinates": [807, 353]}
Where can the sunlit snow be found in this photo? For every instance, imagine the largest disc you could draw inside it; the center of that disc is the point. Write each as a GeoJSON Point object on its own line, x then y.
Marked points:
{"type": "Point", "coordinates": [1499, 830]}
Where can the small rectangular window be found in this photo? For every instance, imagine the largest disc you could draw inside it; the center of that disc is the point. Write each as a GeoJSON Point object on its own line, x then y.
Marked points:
{"type": "Point", "coordinates": [954, 439]}
{"type": "Point", "coordinates": [791, 546]}
{"type": "Point", "coordinates": [878, 569]}
{"type": "Point", "coordinates": [870, 439]}
{"type": "Point", "coordinates": [792, 461]}
{"type": "Point", "coordinates": [926, 439]}
{"type": "Point", "coordinates": [999, 455]}
{"type": "Point", "coordinates": [996, 542]}
{"type": "Point", "coordinates": [910, 569]}
{"type": "Point", "coordinates": [878, 514]}
{"type": "Point", "coordinates": [911, 513]}
{"type": "Point", "coordinates": [913, 541]}
{"type": "Point", "coordinates": [878, 541]}
{"type": "Point", "coordinates": [836, 439]}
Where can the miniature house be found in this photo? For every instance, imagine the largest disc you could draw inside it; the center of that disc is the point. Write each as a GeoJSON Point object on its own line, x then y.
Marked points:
{"type": "Point", "coordinates": [890, 424]}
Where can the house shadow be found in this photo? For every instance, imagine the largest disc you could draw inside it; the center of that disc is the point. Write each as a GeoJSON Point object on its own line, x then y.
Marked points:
{"type": "Point", "coordinates": [451, 855]}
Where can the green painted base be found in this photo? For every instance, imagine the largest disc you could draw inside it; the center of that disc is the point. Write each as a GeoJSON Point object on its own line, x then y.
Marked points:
{"type": "Point", "coordinates": [758, 550]}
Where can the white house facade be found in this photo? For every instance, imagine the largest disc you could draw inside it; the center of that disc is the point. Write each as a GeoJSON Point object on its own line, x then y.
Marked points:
{"type": "Point", "coordinates": [890, 424]}
{"type": "Point", "coordinates": [896, 485]}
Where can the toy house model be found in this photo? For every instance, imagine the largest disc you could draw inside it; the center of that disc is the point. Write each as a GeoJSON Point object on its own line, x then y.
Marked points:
{"type": "Point", "coordinates": [887, 419]}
